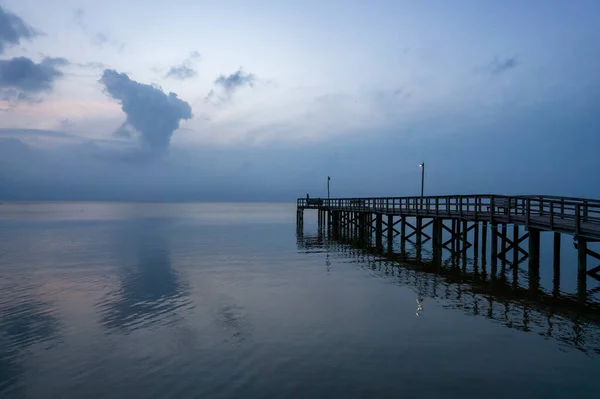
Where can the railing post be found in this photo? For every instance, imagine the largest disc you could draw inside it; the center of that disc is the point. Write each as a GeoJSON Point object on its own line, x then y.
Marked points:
{"type": "Point", "coordinates": [585, 211]}
{"type": "Point", "coordinates": [437, 206]}
{"type": "Point", "coordinates": [528, 211]}
{"type": "Point", "coordinates": [552, 215]}
{"type": "Point", "coordinates": [477, 209]}
{"type": "Point", "coordinates": [541, 206]}
{"type": "Point", "coordinates": [562, 208]}
{"type": "Point", "coordinates": [491, 208]}
{"type": "Point", "coordinates": [460, 198]}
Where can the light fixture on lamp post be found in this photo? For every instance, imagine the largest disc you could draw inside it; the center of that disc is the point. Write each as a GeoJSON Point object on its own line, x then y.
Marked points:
{"type": "Point", "coordinates": [328, 180]}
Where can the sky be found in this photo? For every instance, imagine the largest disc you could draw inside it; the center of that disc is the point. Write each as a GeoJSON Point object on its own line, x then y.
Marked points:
{"type": "Point", "coordinates": [261, 101]}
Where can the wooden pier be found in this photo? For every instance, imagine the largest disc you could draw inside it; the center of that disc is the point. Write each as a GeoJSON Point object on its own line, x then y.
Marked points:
{"type": "Point", "coordinates": [461, 222]}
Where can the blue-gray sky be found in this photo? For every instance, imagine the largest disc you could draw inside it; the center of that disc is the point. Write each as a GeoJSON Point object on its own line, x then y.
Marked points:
{"type": "Point", "coordinates": [201, 100]}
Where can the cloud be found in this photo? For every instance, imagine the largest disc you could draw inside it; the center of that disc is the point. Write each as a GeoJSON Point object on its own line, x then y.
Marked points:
{"type": "Point", "coordinates": [228, 85]}
{"type": "Point", "coordinates": [21, 77]}
{"type": "Point", "coordinates": [184, 70]}
{"type": "Point", "coordinates": [13, 29]}
{"type": "Point", "coordinates": [236, 80]}
{"type": "Point", "coordinates": [181, 72]}
{"type": "Point", "coordinates": [92, 65]}
{"type": "Point", "coordinates": [153, 114]}
{"type": "Point", "coordinates": [35, 132]}
{"type": "Point", "coordinates": [98, 38]}
{"type": "Point", "coordinates": [498, 66]}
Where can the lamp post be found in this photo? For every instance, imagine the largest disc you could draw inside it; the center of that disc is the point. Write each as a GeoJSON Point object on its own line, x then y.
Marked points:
{"type": "Point", "coordinates": [328, 180]}
{"type": "Point", "coordinates": [422, 165]}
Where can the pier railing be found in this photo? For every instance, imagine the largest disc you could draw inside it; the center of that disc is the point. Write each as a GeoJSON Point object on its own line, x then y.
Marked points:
{"type": "Point", "coordinates": [579, 216]}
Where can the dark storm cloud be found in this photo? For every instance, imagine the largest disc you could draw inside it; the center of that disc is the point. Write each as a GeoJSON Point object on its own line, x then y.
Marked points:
{"type": "Point", "coordinates": [153, 114]}
{"type": "Point", "coordinates": [21, 77]}
{"type": "Point", "coordinates": [184, 70]}
{"type": "Point", "coordinates": [13, 29]}
{"type": "Point", "coordinates": [228, 85]}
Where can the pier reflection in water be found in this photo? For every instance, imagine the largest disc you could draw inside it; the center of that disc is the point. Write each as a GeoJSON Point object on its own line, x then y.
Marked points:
{"type": "Point", "coordinates": [510, 299]}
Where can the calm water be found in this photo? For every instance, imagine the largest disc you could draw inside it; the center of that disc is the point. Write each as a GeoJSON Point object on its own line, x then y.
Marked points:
{"type": "Point", "coordinates": [224, 300]}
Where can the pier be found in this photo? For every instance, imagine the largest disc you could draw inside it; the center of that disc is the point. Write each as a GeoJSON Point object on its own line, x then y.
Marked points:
{"type": "Point", "coordinates": [460, 223]}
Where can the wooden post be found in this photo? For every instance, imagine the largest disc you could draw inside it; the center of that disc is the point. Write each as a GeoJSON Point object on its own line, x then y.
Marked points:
{"type": "Point", "coordinates": [494, 248]}
{"type": "Point", "coordinates": [581, 256]}
{"type": "Point", "coordinates": [476, 240]}
{"type": "Point", "coordinates": [465, 241]}
{"type": "Point", "coordinates": [378, 229]}
{"type": "Point", "coordinates": [402, 228]}
{"type": "Point", "coordinates": [534, 260]}
{"type": "Point", "coordinates": [438, 244]}
{"type": "Point", "coordinates": [465, 237]}
{"type": "Point", "coordinates": [402, 235]}
{"type": "Point", "coordinates": [534, 247]}
{"type": "Point", "coordinates": [458, 237]}
{"type": "Point", "coordinates": [390, 233]}
{"type": "Point", "coordinates": [504, 232]}
{"type": "Point", "coordinates": [515, 262]}
{"type": "Point", "coordinates": [434, 237]}
{"type": "Point", "coordinates": [484, 229]}
{"type": "Point", "coordinates": [419, 230]}
{"type": "Point", "coordinates": [515, 249]}
{"type": "Point", "coordinates": [556, 280]}
{"type": "Point", "coordinates": [453, 242]}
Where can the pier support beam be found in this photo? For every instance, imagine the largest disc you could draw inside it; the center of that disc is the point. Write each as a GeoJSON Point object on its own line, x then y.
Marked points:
{"type": "Point", "coordinates": [515, 261]}
{"type": "Point", "coordinates": [378, 230]}
{"type": "Point", "coordinates": [581, 256]}
{"type": "Point", "coordinates": [556, 264]}
{"type": "Point", "coordinates": [390, 233]}
{"type": "Point", "coordinates": [494, 248]}
{"type": "Point", "coordinates": [484, 229]}
{"type": "Point", "coordinates": [419, 230]}
{"type": "Point", "coordinates": [534, 260]}
{"type": "Point", "coordinates": [504, 232]}
{"type": "Point", "coordinates": [402, 235]}
{"type": "Point", "coordinates": [534, 246]}
{"type": "Point", "coordinates": [476, 240]}
{"type": "Point", "coordinates": [437, 242]}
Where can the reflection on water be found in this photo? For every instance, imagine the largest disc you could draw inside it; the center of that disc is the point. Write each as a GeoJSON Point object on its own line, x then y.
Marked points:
{"type": "Point", "coordinates": [233, 322]}
{"type": "Point", "coordinates": [150, 291]}
{"type": "Point", "coordinates": [563, 318]}
{"type": "Point", "coordinates": [419, 306]}
{"type": "Point", "coordinates": [23, 324]}
{"type": "Point", "coordinates": [188, 301]}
